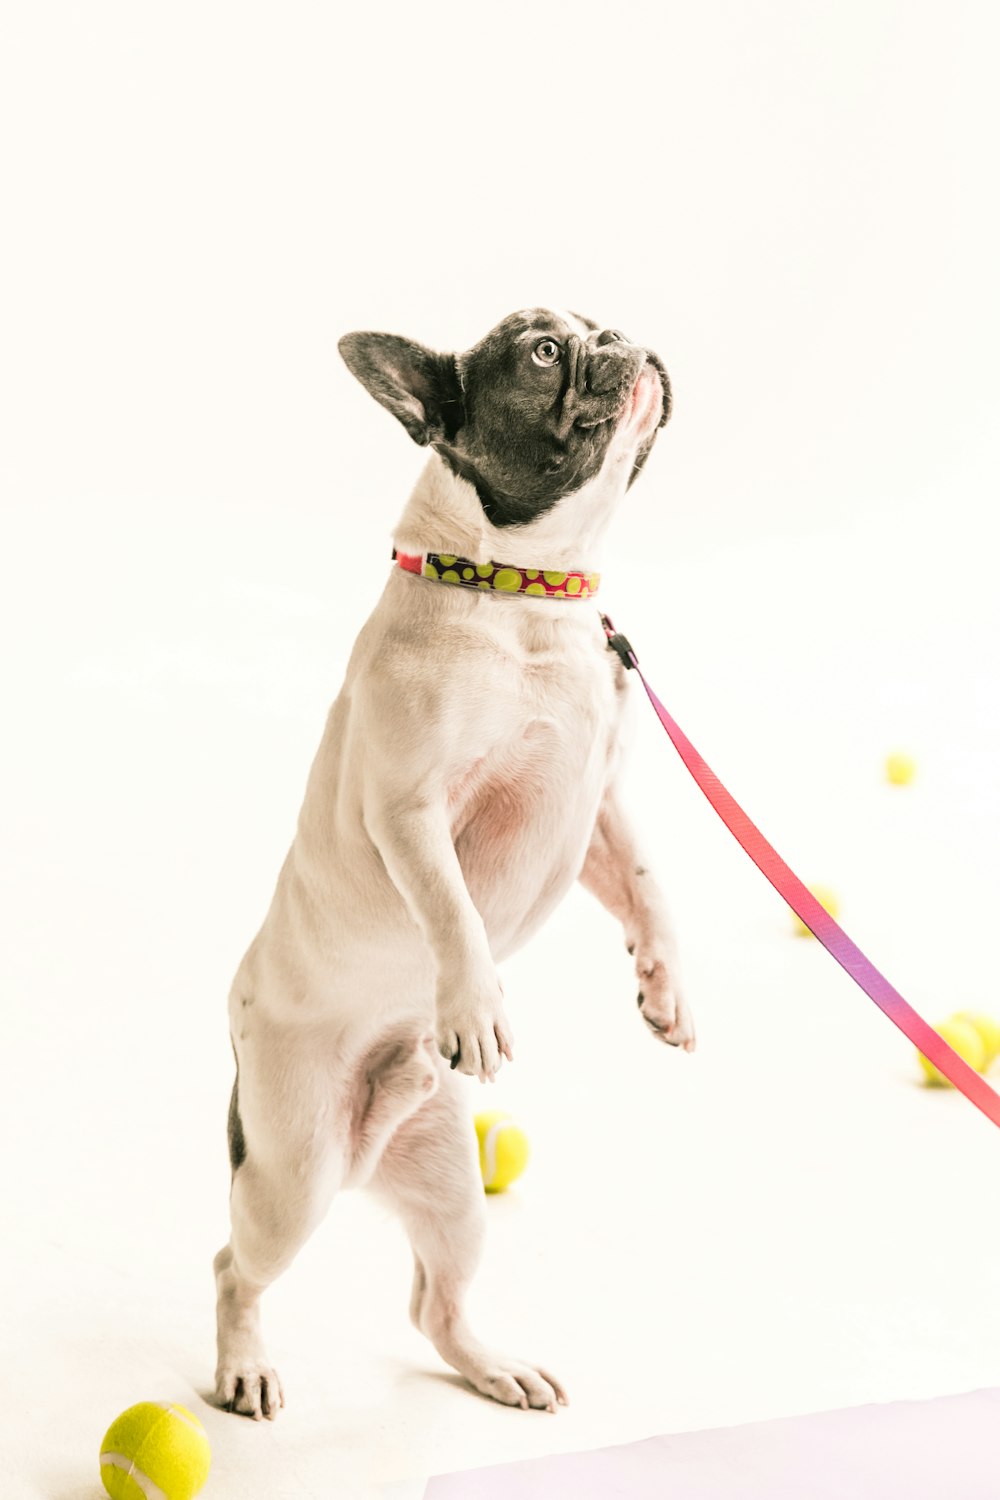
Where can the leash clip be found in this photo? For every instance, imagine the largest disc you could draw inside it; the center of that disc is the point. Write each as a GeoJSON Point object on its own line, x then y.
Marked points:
{"type": "Point", "coordinates": [619, 643]}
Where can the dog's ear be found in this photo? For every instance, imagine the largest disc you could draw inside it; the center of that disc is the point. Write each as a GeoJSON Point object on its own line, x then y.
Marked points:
{"type": "Point", "coordinates": [419, 387]}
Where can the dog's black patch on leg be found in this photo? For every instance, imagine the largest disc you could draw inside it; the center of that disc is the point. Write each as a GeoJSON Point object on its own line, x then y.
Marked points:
{"type": "Point", "coordinates": [237, 1143]}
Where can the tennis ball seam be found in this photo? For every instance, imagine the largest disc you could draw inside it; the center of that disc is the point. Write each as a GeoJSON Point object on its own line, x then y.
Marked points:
{"type": "Point", "coordinates": [183, 1415]}
{"type": "Point", "coordinates": [488, 1149]}
{"type": "Point", "coordinates": [490, 1152]}
{"type": "Point", "coordinates": [149, 1444]}
{"type": "Point", "coordinates": [120, 1461]}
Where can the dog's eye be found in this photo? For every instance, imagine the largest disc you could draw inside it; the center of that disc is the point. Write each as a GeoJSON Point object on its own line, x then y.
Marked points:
{"type": "Point", "coordinates": [546, 352]}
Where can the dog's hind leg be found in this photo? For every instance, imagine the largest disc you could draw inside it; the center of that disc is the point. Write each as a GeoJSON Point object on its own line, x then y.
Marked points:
{"type": "Point", "coordinates": [284, 1180]}
{"type": "Point", "coordinates": [288, 1160]}
{"type": "Point", "coordinates": [430, 1175]}
{"type": "Point", "coordinates": [274, 1208]}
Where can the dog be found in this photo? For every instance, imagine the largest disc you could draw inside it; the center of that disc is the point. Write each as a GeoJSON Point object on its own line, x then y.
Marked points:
{"type": "Point", "coordinates": [467, 775]}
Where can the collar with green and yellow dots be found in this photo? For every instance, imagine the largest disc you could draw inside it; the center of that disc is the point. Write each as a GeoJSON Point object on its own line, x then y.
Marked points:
{"type": "Point", "coordinates": [443, 567]}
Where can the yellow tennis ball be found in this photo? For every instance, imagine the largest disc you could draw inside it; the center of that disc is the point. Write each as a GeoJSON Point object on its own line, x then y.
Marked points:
{"type": "Point", "coordinates": [965, 1040]}
{"type": "Point", "coordinates": [989, 1031]}
{"type": "Point", "coordinates": [155, 1448]}
{"type": "Point", "coordinates": [827, 899]}
{"type": "Point", "coordinates": [900, 768]}
{"type": "Point", "coordinates": [503, 1149]}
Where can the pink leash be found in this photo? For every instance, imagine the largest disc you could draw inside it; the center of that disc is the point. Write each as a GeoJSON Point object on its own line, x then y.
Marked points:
{"type": "Point", "coordinates": [805, 905]}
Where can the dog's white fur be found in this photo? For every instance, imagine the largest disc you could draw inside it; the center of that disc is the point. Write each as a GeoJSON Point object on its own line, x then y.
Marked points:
{"type": "Point", "coordinates": [465, 779]}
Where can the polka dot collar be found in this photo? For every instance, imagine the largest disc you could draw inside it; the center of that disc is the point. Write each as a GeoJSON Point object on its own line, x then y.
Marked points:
{"type": "Point", "coordinates": [501, 577]}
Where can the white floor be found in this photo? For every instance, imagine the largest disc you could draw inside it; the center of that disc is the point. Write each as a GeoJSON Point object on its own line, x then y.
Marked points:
{"type": "Point", "coordinates": [784, 1222]}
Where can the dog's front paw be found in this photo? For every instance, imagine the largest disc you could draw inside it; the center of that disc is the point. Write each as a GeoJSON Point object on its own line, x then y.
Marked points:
{"type": "Point", "coordinates": [473, 1032]}
{"type": "Point", "coordinates": [662, 1005]}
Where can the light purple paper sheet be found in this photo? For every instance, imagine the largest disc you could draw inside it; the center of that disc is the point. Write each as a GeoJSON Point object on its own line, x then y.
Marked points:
{"type": "Point", "coordinates": [906, 1450]}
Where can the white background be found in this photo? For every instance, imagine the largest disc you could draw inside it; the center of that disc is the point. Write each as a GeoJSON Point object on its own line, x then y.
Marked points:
{"type": "Point", "coordinates": [795, 206]}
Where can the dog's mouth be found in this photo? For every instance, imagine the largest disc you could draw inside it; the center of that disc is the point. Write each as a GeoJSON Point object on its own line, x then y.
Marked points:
{"type": "Point", "coordinates": [644, 405]}
{"type": "Point", "coordinates": [617, 386]}
{"type": "Point", "coordinates": [645, 393]}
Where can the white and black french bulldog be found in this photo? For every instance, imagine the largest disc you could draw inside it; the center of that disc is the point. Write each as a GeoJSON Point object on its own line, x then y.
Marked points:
{"type": "Point", "coordinates": [466, 777]}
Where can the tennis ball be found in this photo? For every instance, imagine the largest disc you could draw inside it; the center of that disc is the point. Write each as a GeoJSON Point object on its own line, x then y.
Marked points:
{"type": "Point", "coordinates": [963, 1037]}
{"type": "Point", "coordinates": [900, 768]}
{"type": "Point", "coordinates": [153, 1449]}
{"type": "Point", "coordinates": [826, 899]}
{"type": "Point", "coordinates": [989, 1031]}
{"type": "Point", "coordinates": [503, 1149]}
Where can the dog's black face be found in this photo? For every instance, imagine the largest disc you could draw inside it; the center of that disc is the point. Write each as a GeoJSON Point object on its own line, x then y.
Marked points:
{"type": "Point", "coordinates": [528, 414]}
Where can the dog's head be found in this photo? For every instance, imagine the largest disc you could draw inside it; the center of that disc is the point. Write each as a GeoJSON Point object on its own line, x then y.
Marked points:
{"type": "Point", "coordinates": [530, 413]}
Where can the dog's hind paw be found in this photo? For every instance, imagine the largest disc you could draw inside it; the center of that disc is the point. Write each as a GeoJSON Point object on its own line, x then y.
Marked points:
{"type": "Point", "coordinates": [516, 1384]}
{"type": "Point", "coordinates": [251, 1388]}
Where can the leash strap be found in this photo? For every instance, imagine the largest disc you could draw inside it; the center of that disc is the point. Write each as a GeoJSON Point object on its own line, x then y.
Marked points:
{"type": "Point", "coordinates": [805, 905]}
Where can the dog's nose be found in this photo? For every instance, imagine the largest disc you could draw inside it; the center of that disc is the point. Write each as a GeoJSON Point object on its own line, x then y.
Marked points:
{"type": "Point", "coordinates": [611, 336]}
{"type": "Point", "coordinates": [613, 365]}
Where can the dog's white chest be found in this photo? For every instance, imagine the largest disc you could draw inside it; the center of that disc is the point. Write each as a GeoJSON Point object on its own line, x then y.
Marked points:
{"type": "Point", "coordinates": [523, 812]}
